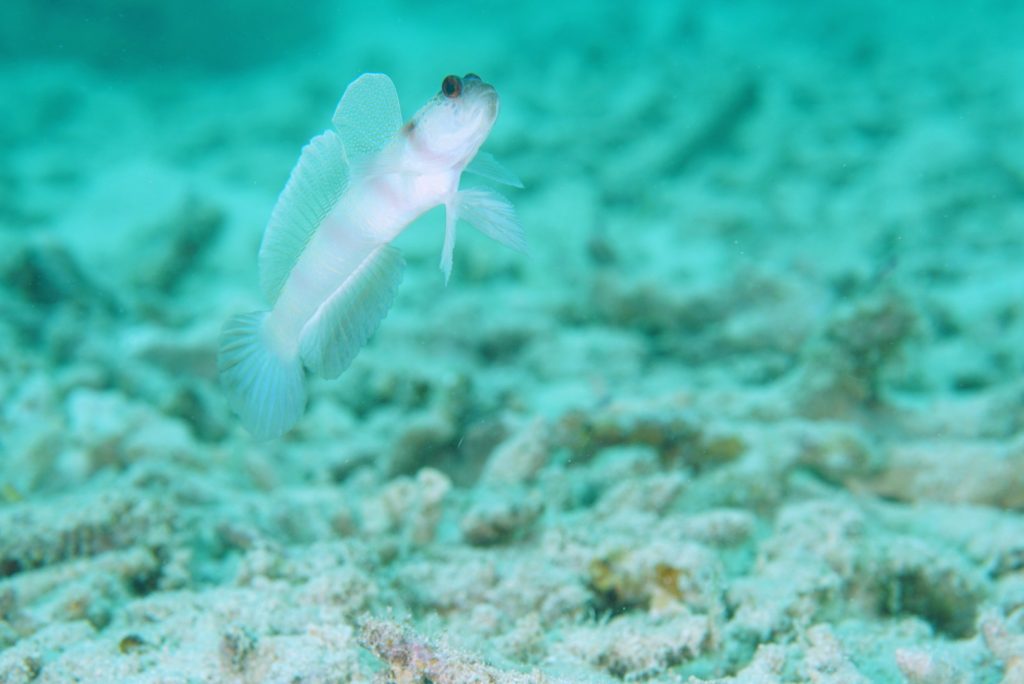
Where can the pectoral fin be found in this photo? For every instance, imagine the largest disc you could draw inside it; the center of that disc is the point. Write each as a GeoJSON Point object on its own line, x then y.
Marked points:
{"type": "Point", "coordinates": [486, 166]}
{"type": "Point", "coordinates": [488, 212]}
{"type": "Point", "coordinates": [492, 215]}
{"type": "Point", "coordinates": [451, 217]}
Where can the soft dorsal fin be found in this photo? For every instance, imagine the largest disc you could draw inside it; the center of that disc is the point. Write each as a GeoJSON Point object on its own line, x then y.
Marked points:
{"type": "Point", "coordinates": [314, 187]}
{"type": "Point", "coordinates": [368, 116]}
{"type": "Point", "coordinates": [486, 166]}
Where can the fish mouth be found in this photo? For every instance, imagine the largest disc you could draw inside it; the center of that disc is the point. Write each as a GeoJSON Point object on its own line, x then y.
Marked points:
{"type": "Point", "coordinates": [472, 83]}
{"type": "Point", "coordinates": [482, 96]}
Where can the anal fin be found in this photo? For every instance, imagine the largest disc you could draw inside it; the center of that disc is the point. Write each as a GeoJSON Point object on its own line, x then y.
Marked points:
{"type": "Point", "coordinates": [345, 321]}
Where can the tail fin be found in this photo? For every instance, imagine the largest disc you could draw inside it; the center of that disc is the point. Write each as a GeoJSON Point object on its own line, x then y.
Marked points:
{"type": "Point", "coordinates": [266, 390]}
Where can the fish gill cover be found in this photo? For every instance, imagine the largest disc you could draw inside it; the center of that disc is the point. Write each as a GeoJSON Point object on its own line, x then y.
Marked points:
{"type": "Point", "coordinates": [752, 409]}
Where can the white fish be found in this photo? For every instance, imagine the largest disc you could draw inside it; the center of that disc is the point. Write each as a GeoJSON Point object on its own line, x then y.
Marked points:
{"type": "Point", "coordinates": [326, 264]}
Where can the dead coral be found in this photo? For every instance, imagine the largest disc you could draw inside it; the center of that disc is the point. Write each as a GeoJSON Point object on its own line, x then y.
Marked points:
{"type": "Point", "coordinates": [520, 457]}
{"type": "Point", "coordinates": [722, 527]}
{"type": "Point", "coordinates": [654, 493]}
{"type": "Point", "coordinates": [801, 573]}
{"type": "Point", "coordinates": [412, 659]}
{"type": "Point", "coordinates": [825, 661]}
{"type": "Point", "coordinates": [635, 647]}
{"type": "Point", "coordinates": [1005, 645]}
{"type": "Point", "coordinates": [24, 662]}
{"type": "Point", "coordinates": [500, 516]}
{"type": "Point", "coordinates": [409, 506]}
{"type": "Point", "coordinates": [671, 426]}
{"type": "Point", "coordinates": [46, 275]}
{"type": "Point", "coordinates": [237, 646]}
{"type": "Point", "coordinates": [834, 452]}
{"type": "Point", "coordinates": [765, 668]}
{"type": "Point", "coordinates": [108, 429]}
{"type": "Point", "coordinates": [906, 575]}
{"type": "Point", "coordinates": [922, 667]}
{"type": "Point", "coordinates": [846, 366]}
{"type": "Point", "coordinates": [172, 250]}
{"type": "Point", "coordinates": [37, 536]}
{"type": "Point", "coordinates": [427, 438]}
{"type": "Point", "coordinates": [970, 473]}
{"type": "Point", "coordinates": [661, 577]}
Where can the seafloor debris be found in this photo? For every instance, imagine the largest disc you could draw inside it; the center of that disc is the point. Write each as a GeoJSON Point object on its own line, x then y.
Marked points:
{"type": "Point", "coordinates": [172, 251]}
{"type": "Point", "coordinates": [36, 537]}
{"type": "Point", "coordinates": [411, 659]}
{"type": "Point", "coordinates": [846, 366]}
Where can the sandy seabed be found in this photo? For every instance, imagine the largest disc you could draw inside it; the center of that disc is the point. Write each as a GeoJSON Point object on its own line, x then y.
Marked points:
{"type": "Point", "coordinates": [751, 411]}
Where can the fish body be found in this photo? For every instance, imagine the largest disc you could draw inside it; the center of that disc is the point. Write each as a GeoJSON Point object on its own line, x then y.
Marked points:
{"type": "Point", "coordinates": [326, 263]}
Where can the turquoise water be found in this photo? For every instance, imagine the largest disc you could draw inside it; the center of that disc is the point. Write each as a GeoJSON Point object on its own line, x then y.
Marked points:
{"type": "Point", "coordinates": [751, 409]}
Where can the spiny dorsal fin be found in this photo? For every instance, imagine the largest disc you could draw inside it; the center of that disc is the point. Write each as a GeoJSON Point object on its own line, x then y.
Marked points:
{"type": "Point", "coordinates": [317, 181]}
{"type": "Point", "coordinates": [368, 116]}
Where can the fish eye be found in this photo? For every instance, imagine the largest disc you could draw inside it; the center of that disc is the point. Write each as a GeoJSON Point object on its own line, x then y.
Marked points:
{"type": "Point", "coordinates": [471, 77]}
{"type": "Point", "coordinates": [451, 86]}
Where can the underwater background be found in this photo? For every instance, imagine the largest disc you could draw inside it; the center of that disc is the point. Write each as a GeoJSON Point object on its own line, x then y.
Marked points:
{"type": "Point", "coordinates": [751, 411]}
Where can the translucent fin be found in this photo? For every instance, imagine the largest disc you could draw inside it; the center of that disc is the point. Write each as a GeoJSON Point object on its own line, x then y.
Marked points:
{"type": "Point", "coordinates": [451, 217]}
{"type": "Point", "coordinates": [266, 390]}
{"type": "Point", "coordinates": [486, 166]}
{"type": "Point", "coordinates": [492, 215]}
{"type": "Point", "coordinates": [368, 116]}
{"type": "Point", "coordinates": [343, 323]}
{"type": "Point", "coordinates": [317, 181]}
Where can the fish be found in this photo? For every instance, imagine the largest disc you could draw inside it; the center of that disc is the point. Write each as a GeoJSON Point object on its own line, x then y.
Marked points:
{"type": "Point", "coordinates": [327, 268]}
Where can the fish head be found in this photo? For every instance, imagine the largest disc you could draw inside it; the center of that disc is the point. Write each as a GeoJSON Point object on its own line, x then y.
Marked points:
{"type": "Point", "coordinates": [452, 126]}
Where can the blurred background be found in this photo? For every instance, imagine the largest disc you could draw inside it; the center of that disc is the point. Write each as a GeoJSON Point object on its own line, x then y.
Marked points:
{"type": "Point", "coordinates": [753, 404]}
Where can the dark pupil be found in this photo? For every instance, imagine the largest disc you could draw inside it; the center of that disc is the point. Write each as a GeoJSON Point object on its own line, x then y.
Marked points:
{"type": "Point", "coordinates": [451, 86]}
